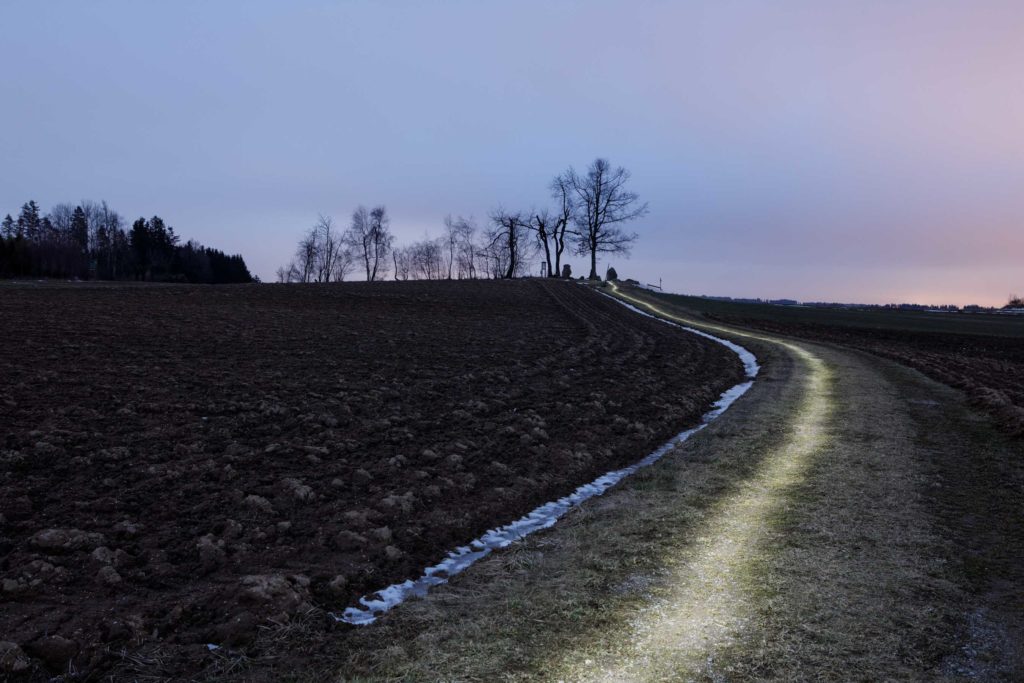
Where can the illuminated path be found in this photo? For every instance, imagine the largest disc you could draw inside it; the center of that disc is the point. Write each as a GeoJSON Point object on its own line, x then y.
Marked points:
{"type": "Point", "coordinates": [708, 603]}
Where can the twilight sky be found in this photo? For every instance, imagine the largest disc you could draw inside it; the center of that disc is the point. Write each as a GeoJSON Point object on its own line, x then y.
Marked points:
{"type": "Point", "coordinates": [855, 151]}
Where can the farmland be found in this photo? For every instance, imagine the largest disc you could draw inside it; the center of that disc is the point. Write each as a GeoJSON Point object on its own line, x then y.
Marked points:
{"type": "Point", "coordinates": [981, 354]}
{"type": "Point", "coordinates": [182, 465]}
{"type": "Point", "coordinates": [848, 518]}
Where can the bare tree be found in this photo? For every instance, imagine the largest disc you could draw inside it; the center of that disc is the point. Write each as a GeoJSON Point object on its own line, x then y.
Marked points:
{"type": "Point", "coordinates": [326, 248]}
{"type": "Point", "coordinates": [460, 241]}
{"type": "Point", "coordinates": [506, 245]}
{"type": "Point", "coordinates": [107, 230]}
{"type": "Point", "coordinates": [491, 253]}
{"type": "Point", "coordinates": [370, 239]}
{"type": "Point", "coordinates": [562, 193]}
{"type": "Point", "coordinates": [427, 259]}
{"type": "Point", "coordinates": [358, 238]}
{"type": "Point", "coordinates": [321, 256]}
{"type": "Point", "coordinates": [542, 223]}
{"type": "Point", "coordinates": [306, 258]}
{"type": "Point", "coordinates": [423, 260]}
{"type": "Point", "coordinates": [451, 241]}
{"type": "Point", "coordinates": [61, 216]}
{"type": "Point", "coordinates": [382, 239]}
{"type": "Point", "coordinates": [602, 205]}
{"type": "Point", "coordinates": [333, 260]}
{"type": "Point", "coordinates": [95, 214]}
{"type": "Point", "coordinates": [402, 258]}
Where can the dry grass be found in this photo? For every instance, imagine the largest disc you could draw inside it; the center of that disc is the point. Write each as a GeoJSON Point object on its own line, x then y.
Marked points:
{"type": "Point", "coordinates": [855, 584]}
{"type": "Point", "coordinates": [711, 593]}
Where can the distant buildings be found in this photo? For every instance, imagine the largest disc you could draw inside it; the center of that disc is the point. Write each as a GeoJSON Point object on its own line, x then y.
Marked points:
{"type": "Point", "coordinates": [948, 308]}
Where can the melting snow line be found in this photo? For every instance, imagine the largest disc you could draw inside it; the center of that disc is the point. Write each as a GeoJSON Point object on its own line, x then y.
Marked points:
{"type": "Point", "coordinates": [546, 515]}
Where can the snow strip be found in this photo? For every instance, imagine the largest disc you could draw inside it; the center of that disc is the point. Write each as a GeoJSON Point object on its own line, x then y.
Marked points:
{"type": "Point", "coordinates": [546, 515]}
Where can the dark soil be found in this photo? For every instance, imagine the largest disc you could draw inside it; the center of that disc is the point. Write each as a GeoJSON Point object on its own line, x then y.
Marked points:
{"type": "Point", "coordinates": [183, 465]}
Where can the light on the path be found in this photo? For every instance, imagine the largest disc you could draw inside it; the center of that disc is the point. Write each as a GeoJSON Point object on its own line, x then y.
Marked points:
{"type": "Point", "coordinates": [707, 600]}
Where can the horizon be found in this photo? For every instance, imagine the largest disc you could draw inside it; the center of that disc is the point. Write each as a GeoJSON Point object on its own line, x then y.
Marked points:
{"type": "Point", "coordinates": [853, 152]}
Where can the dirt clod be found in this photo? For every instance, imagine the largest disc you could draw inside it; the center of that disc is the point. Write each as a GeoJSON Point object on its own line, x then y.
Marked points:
{"type": "Point", "coordinates": [349, 540]}
{"type": "Point", "coordinates": [65, 540]}
{"type": "Point", "coordinates": [275, 592]}
{"type": "Point", "coordinates": [54, 651]}
{"type": "Point", "coordinates": [211, 552]}
{"type": "Point", "coordinates": [108, 576]}
{"type": "Point", "coordinates": [259, 503]}
{"type": "Point", "coordinates": [337, 585]}
{"type": "Point", "coordinates": [12, 658]}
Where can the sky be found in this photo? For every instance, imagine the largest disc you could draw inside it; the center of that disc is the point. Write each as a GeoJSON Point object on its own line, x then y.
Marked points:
{"type": "Point", "coordinates": [842, 151]}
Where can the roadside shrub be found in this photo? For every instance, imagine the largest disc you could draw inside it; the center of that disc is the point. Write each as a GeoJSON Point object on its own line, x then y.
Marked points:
{"type": "Point", "coordinates": [611, 274]}
{"type": "Point", "coordinates": [567, 272]}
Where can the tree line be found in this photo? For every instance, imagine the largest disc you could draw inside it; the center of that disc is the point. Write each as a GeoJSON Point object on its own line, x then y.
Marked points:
{"type": "Point", "coordinates": [587, 217]}
{"type": "Point", "coordinates": [90, 240]}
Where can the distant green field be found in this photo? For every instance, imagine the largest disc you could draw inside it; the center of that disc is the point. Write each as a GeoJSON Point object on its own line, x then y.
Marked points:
{"type": "Point", "coordinates": [879, 319]}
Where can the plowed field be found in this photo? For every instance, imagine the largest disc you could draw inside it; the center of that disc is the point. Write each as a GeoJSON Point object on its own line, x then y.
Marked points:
{"type": "Point", "coordinates": [181, 465]}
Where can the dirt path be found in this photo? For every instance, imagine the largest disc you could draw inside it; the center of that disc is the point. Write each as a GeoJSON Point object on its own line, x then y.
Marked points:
{"type": "Point", "coordinates": [848, 519]}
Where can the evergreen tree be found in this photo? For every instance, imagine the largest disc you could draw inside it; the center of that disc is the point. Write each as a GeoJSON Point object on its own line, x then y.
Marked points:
{"type": "Point", "coordinates": [139, 240]}
{"type": "Point", "coordinates": [29, 221]}
{"type": "Point", "coordinates": [80, 229]}
{"type": "Point", "coordinates": [7, 228]}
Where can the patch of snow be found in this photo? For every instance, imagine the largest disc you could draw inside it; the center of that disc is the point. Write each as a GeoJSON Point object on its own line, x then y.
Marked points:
{"type": "Point", "coordinates": [545, 516]}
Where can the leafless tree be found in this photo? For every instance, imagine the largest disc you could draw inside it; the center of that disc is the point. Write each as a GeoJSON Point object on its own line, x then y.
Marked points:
{"type": "Point", "coordinates": [60, 217]}
{"type": "Point", "coordinates": [306, 257]}
{"type": "Point", "coordinates": [333, 260]}
{"type": "Point", "coordinates": [539, 222]}
{"type": "Point", "coordinates": [423, 260]}
{"type": "Point", "coordinates": [321, 256]}
{"type": "Point", "coordinates": [507, 246]}
{"type": "Point", "coordinates": [603, 204]}
{"type": "Point", "coordinates": [491, 254]}
{"type": "Point", "coordinates": [358, 238]}
{"type": "Point", "coordinates": [107, 236]}
{"type": "Point", "coordinates": [402, 258]}
{"type": "Point", "coordinates": [370, 239]}
{"type": "Point", "coordinates": [451, 242]}
{"type": "Point", "coordinates": [461, 243]}
{"type": "Point", "coordinates": [427, 259]}
{"type": "Point", "coordinates": [565, 209]}
{"type": "Point", "coordinates": [95, 214]}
